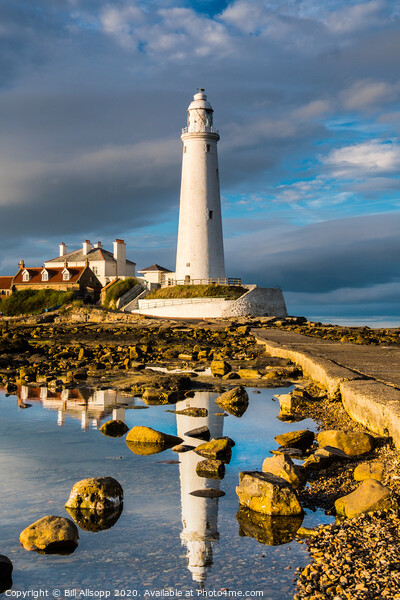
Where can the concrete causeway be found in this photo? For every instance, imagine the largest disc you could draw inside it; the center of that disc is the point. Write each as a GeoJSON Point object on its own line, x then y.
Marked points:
{"type": "Point", "coordinates": [366, 378]}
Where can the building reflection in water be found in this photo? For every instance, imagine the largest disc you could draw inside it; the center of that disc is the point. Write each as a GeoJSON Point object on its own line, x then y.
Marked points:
{"type": "Point", "coordinates": [88, 406]}
{"type": "Point", "coordinates": [199, 515]}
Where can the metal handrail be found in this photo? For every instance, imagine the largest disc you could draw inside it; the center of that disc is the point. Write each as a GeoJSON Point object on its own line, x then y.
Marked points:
{"type": "Point", "coordinates": [206, 130]}
{"type": "Point", "coordinates": [172, 301]}
{"type": "Point", "coordinates": [209, 281]}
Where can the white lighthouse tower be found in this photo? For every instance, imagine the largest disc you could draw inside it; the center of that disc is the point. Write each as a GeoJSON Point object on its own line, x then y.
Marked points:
{"type": "Point", "coordinates": [200, 252]}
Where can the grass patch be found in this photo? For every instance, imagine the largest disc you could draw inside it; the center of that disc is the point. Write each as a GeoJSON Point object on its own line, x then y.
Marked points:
{"type": "Point", "coordinates": [118, 289]}
{"type": "Point", "coordinates": [33, 302]}
{"type": "Point", "coordinates": [230, 292]}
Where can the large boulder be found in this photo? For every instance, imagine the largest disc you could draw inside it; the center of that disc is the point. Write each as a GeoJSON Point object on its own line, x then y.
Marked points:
{"type": "Point", "coordinates": [148, 436]}
{"type": "Point", "coordinates": [353, 443]}
{"type": "Point", "coordinates": [96, 493]}
{"type": "Point", "coordinates": [6, 568]}
{"type": "Point", "coordinates": [271, 531]}
{"type": "Point", "coordinates": [51, 535]}
{"type": "Point", "coordinates": [234, 401]}
{"type": "Point", "coordinates": [114, 428]}
{"type": "Point", "coordinates": [267, 494]}
{"type": "Point", "coordinates": [249, 374]}
{"type": "Point", "coordinates": [283, 466]}
{"type": "Point", "coordinates": [219, 449]}
{"type": "Point", "coordinates": [302, 439]}
{"type": "Point", "coordinates": [369, 496]}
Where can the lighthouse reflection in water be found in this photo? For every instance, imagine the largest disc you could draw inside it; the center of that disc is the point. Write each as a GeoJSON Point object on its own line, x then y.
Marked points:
{"type": "Point", "coordinates": [199, 514]}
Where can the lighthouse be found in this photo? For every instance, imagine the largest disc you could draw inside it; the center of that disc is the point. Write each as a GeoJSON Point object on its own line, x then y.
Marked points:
{"type": "Point", "coordinates": [200, 251]}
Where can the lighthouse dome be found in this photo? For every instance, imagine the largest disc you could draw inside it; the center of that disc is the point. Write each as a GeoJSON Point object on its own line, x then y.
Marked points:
{"type": "Point", "coordinates": [200, 101]}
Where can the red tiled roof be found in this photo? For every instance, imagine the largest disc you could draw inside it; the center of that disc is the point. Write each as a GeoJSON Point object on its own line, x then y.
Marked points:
{"type": "Point", "coordinates": [55, 275]}
{"type": "Point", "coordinates": [5, 282]}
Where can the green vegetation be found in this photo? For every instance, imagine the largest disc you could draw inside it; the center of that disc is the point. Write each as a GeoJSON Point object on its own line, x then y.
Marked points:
{"type": "Point", "coordinates": [230, 292]}
{"type": "Point", "coordinates": [32, 302]}
{"type": "Point", "coordinates": [118, 289]}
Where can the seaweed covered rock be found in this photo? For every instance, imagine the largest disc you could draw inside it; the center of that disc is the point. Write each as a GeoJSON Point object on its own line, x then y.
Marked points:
{"type": "Point", "coordinates": [267, 494]}
{"type": "Point", "coordinates": [51, 535]}
{"type": "Point", "coordinates": [96, 493]}
{"type": "Point", "coordinates": [234, 401]}
{"type": "Point", "coordinates": [114, 428]}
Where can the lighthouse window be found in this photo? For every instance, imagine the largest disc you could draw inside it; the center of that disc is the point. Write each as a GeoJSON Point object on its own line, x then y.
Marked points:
{"type": "Point", "coordinates": [207, 147]}
{"type": "Point", "coordinates": [188, 264]}
{"type": "Point", "coordinates": [184, 148]}
{"type": "Point", "coordinates": [210, 214]}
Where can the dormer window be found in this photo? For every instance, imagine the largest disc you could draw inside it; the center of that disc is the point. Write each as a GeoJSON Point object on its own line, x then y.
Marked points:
{"type": "Point", "coordinates": [45, 275]}
{"type": "Point", "coordinates": [66, 275]}
{"type": "Point", "coordinates": [25, 275]}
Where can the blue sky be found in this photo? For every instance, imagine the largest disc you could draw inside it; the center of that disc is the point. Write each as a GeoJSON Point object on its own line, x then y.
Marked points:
{"type": "Point", "coordinates": [93, 95]}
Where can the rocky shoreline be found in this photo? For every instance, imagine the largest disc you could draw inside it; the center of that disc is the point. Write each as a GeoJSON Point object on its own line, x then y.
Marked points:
{"type": "Point", "coordinates": [351, 558]}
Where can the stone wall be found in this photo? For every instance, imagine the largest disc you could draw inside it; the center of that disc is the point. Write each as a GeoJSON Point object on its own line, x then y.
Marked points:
{"type": "Point", "coordinates": [256, 302]}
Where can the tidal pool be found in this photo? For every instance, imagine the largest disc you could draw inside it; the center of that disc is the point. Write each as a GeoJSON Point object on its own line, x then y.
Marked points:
{"type": "Point", "coordinates": [166, 538]}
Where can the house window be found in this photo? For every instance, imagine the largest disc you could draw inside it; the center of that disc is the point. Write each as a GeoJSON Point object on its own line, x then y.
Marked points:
{"type": "Point", "coordinates": [94, 269]}
{"type": "Point", "coordinates": [210, 214]}
{"type": "Point", "coordinates": [45, 276]}
{"type": "Point", "coordinates": [66, 275]}
{"type": "Point", "coordinates": [25, 276]}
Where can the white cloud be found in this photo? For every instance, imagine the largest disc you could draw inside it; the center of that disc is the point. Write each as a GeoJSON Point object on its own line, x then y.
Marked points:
{"type": "Point", "coordinates": [372, 157]}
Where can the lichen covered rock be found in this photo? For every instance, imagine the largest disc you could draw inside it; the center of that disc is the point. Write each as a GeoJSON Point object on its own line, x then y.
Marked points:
{"type": "Point", "coordinates": [372, 470]}
{"type": "Point", "coordinates": [283, 466]}
{"type": "Point", "coordinates": [267, 494]}
{"type": "Point", "coordinates": [302, 438]}
{"type": "Point", "coordinates": [353, 443]}
{"type": "Point", "coordinates": [369, 496]}
{"type": "Point", "coordinates": [96, 493]}
{"type": "Point", "coordinates": [51, 535]}
{"type": "Point", "coordinates": [219, 449]}
{"type": "Point", "coordinates": [220, 368]}
{"type": "Point", "coordinates": [211, 469]}
{"type": "Point", "coordinates": [146, 435]}
{"type": "Point", "coordinates": [234, 401]}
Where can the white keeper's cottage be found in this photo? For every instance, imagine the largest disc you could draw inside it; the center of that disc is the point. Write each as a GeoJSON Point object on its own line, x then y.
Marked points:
{"type": "Point", "coordinates": [105, 265]}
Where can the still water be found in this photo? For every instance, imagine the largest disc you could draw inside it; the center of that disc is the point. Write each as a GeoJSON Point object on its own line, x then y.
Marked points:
{"type": "Point", "coordinates": [165, 538]}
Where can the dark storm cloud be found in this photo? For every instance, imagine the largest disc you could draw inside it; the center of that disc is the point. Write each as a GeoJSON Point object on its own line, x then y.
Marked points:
{"type": "Point", "coordinates": [319, 258]}
{"type": "Point", "coordinates": [94, 95]}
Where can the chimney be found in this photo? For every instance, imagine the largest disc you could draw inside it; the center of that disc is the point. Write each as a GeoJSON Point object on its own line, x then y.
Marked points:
{"type": "Point", "coordinates": [63, 249]}
{"type": "Point", "coordinates": [98, 245]}
{"type": "Point", "coordinates": [86, 247]}
{"type": "Point", "coordinates": [21, 264]}
{"type": "Point", "coordinates": [120, 257]}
